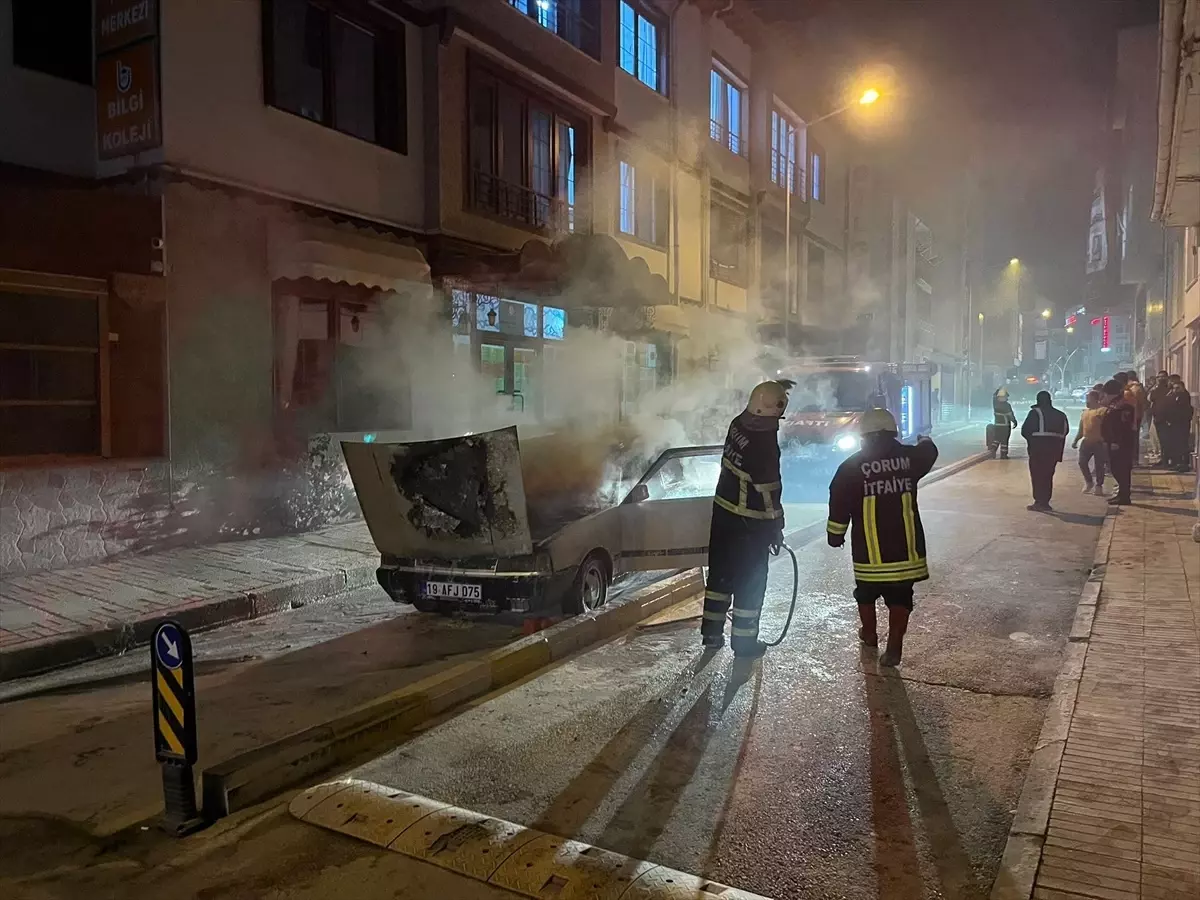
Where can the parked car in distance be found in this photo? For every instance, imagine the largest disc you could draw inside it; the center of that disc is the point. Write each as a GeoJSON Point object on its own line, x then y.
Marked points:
{"type": "Point", "coordinates": [455, 530]}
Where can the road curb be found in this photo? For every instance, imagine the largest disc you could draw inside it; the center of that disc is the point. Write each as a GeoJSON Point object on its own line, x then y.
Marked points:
{"type": "Point", "coordinates": [522, 860]}
{"type": "Point", "coordinates": [121, 637]}
{"type": "Point", "coordinates": [1023, 850]}
{"type": "Point", "coordinates": [249, 777]}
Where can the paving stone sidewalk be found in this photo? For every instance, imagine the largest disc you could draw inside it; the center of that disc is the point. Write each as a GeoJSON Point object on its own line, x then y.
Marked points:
{"type": "Point", "coordinates": [51, 619]}
{"type": "Point", "coordinates": [1125, 816]}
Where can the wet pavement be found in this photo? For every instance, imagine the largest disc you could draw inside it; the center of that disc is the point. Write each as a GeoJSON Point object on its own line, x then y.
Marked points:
{"type": "Point", "coordinates": [810, 773]}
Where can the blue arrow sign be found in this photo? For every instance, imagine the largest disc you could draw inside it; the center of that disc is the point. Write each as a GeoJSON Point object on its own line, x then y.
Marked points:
{"type": "Point", "coordinates": [168, 645]}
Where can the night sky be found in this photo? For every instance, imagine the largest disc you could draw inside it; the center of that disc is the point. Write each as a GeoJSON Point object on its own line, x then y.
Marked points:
{"type": "Point", "coordinates": [1016, 86]}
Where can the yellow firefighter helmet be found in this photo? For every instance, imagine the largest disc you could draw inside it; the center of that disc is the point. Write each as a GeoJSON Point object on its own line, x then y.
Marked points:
{"type": "Point", "coordinates": [878, 420]}
{"type": "Point", "coordinates": [769, 399]}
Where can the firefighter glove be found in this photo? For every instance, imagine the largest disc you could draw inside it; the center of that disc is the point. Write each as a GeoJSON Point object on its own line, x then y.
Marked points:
{"type": "Point", "coordinates": [835, 540]}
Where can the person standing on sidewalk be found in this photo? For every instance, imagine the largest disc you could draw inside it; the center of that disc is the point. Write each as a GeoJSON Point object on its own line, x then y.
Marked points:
{"type": "Point", "coordinates": [1117, 427]}
{"type": "Point", "coordinates": [873, 495]}
{"type": "Point", "coordinates": [1045, 431]}
{"type": "Point", "coordinates": [1154, 397]}
{"type": "Point", "coordinates": [1093, 452]}
{"type": "Point", "coordinates": [1177, 420]}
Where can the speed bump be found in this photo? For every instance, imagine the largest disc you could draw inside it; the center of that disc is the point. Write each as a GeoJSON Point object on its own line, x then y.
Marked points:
{"type": "Point", "coordinates": [522, 860]}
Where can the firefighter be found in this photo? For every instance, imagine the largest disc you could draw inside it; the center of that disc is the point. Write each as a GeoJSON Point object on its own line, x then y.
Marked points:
{"type": "Point", "coordinates": [1003, 419]}
{"type": "Point", "coordinates": [874, 496]}
{"type": "Point", "coordinates": [1045, 430]}
{"type": "Point", "coordinates": [747, 521]}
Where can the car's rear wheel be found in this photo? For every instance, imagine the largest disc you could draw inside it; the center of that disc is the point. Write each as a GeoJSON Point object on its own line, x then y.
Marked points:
{"type": "Point", "coordinates": [589, 591]}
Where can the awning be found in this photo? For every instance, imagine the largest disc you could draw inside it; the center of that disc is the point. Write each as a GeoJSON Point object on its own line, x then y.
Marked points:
{"type": "Point", "coordinates": [579, 271]}
{"type": "Point", "coordinates": [328, 253]}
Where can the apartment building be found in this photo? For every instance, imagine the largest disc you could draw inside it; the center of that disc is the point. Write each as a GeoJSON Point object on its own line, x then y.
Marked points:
{"type": "Point", "coordinates": [236, 230]}
{"type": "Point", "coordinates": [1176, 199]}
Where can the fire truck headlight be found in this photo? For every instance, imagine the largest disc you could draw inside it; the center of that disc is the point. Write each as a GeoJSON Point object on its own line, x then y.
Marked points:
{"type": "Point", "coordinates": [847, 442]}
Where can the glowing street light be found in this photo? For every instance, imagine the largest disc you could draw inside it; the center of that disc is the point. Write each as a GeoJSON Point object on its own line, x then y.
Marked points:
{"type": "Point", "coordinates": [870, 95]}
{"type": "Point", "coordinates": [1070, 329]}
{"type": "Point", "coordinates": [1014, 261]}
{"type": "Point", "coordinates": [1046, 313]}
{"type": "Point", "coordinates": [981, 317]}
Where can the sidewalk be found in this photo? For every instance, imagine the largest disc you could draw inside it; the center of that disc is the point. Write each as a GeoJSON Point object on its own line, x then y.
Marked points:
{"type": "Point", "coordinates": [1122, 817]}
{"type": "Point", "coordinates": [52, 619]}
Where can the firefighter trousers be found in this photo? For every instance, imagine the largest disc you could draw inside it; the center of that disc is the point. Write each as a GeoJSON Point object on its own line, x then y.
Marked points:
{"type": "Point", "coordinates": [738, 557]}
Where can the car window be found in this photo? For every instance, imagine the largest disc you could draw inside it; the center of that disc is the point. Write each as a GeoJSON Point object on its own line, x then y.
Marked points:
{"type": "Point", "coordinates": [680, 477]}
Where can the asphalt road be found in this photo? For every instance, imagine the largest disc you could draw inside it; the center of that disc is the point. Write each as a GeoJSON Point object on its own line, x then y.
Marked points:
{"type": "Point", "coordinates": [75, 756]}
{"type": "Point", "coordinates": [812, 773]}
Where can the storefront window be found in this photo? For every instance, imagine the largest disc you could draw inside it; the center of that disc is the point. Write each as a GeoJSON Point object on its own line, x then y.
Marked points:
{"type": "Point", "coordinates": [460, 309]}
{"type": "Point", "coordinates": [332, 371]}
{"type": "Point", "coordinates": [49, 374]}
{"type": "Point", "coordinates": [554, 323]}
{"type": "Point", "coordinates": [487, 312]}
{"type": "Point", "coordinates": [491, 364]}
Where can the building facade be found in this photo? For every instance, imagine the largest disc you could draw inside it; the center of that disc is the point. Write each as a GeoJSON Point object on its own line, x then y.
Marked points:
{"type": "Point", "coordinates": [379, 217]}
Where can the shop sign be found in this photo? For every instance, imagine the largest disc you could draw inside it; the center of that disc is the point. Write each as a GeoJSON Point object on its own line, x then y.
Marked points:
{"type": "Point", "coordinates": [120, 23]}
{"type": "Point", "coordinates": [127, 115]}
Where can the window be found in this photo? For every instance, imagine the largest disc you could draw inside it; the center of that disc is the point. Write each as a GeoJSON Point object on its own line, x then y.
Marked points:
{"type": "Point", "coordinates": [523, 155]}
{"type": "Point", "coordinates": [54, 38]}
{"type": "Point", "coordinates": [50, 374]}
{"type": "Point", "coordinates": [331, 372]}
{"type": "Point", "coordinates": [727, 251]}
{"type": "Point", "coordinates": [642, 46]}
{"type": "Point", "coordinates": [575, 21]}
{"type": "Point", "coordinates": [335, 72]}
{"type": "Point", "coordinates": [816, 169]}
{"type": "Point", "coordinates": [644, 204]}
{"type": "Point", "coordinates": [725, 112]}
{"type": "Point", "coordinates": [785, 140]}
{"type": "Point", "coordinates": [640, 375]}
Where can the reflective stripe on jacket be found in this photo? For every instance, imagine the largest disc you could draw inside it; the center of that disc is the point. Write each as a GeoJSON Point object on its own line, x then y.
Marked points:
{"type": "Point", "coordinates": [874, 497]}
{"type": "Point", "coordinates": [750, 485]}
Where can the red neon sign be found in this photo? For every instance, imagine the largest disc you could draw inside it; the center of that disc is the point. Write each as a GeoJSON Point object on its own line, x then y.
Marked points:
{"type": "Point", "coordinates": [1104, 335]}
{"type": "Point", "coordinates": [1071, 320]}
{"type": "Point", "coordinates": [1096, 321]}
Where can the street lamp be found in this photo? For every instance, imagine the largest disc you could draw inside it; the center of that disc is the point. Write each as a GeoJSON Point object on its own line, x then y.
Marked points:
{"type": "Point", "coordinates": [1046, 313]}
{"type": "Point", "coordinates": [1014, 261]}
{"type": "Point", "coordinates": [870, 95]}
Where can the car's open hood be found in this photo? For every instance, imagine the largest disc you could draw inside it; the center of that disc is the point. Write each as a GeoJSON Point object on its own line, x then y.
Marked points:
{"type": "Point", "coordinates": [444, 499]}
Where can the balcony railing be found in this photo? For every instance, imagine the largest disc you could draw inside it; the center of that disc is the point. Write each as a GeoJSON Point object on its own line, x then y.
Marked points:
{"type": "Point", "coordinates": [784, 170]}
{"type": "Point", "coordinates": [519, 203]}
{"type": "Point", "coordinates": [565, 19]}
{"type": "Point", "coordinates": [730, 140]}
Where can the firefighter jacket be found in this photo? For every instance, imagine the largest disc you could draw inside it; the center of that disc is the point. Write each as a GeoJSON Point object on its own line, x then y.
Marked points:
{"type": "Point", "coordinates": [1002, 413]}
{"type": "Point", "coordinates": [1046, 429]}
{"type": "Point", "coordinates": [874, 496]}
{"type": "Point", "coordinates": [750, 485]}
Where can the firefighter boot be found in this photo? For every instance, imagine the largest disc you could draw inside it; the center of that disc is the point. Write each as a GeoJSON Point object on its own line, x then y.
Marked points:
{"type": "Point", "coordinates": [868, 633]}
{"type": "Point", "coordinates": [897, 626]}
{"type": "Point", "coordinates": [753, 651]}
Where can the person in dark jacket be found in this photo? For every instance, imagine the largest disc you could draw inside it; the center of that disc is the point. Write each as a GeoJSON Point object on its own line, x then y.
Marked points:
{"type": "Point", "coordinates": [1045, 430]}
{"type": "Point", "coordinates": [1118, 433]}
{"type": "Point", "coordinates": [1154, 398]}
{"type": "Point", "coordinates": [873, 495]}
{"type": "Point", "coordinates": [747, 522]}
{"type": "Point", "coordinates": [1003, 420]}
{"type": "Point", "coordinates": [1176, 422]}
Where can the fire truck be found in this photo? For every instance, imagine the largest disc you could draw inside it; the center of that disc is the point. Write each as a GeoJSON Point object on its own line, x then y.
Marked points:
{"type": "Point", "coordinates": [832, 393]}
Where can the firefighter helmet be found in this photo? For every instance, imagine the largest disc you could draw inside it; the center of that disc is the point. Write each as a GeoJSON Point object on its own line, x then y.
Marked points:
{"type": "Point", "coordinates": [878, 420]}
{"type": "Point", "coordinates": [1002, 394]}
{"type": "Point", "coordinates": [769, 399]}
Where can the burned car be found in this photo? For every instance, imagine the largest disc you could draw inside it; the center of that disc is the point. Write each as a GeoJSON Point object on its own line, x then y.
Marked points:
{"type": "Point", "coordinates": [457, 530]}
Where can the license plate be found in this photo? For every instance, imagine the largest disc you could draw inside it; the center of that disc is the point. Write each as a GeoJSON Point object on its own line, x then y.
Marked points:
{"type": "Point", "coordinates": [453, 590]}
